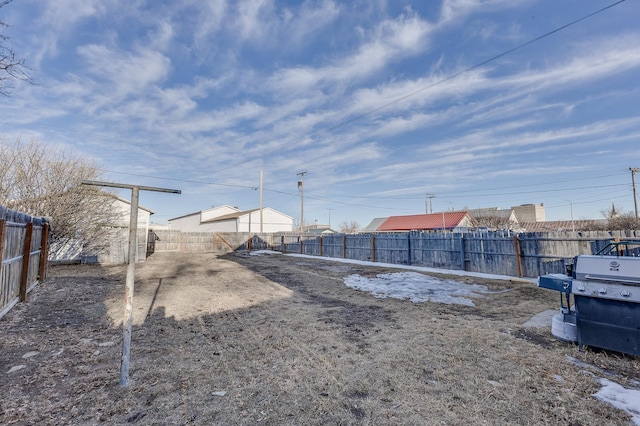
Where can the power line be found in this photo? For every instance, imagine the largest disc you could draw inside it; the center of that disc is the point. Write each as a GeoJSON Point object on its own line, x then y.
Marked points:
{"type": "Point", "coordinates": [544, 183]}
{"type": "Point", "coordinates": [474, 192]}
{"type": "Point", "coordinates": [466, 70]}
{"type": "Point", "coordinates": [590, 201]}
{"type": "Point", "coordinates": [405, 96]}
{"type": "Point", "coordinates": [444, 195]}
{"type": "Point", "coordinates": [540, 191]}
{"type": "Point", "coordinates": [452, 76]}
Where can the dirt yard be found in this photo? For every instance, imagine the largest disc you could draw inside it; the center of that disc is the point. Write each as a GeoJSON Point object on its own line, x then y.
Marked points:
{"type": "Point", "coordinates": [279, 340]}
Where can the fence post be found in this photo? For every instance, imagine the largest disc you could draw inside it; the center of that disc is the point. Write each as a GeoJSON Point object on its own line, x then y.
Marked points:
{"type": "Point", "coordinates": [516, 247]}
{"type": "Point", "coordinates": [409, 248]}
{"type": "Point", "coordinates": [373, 247]}
{"type": "Point", "coordinates": [344, 246]}
{"type": "Point", "coordinates": [283, 245]}
{"type": "Point", "coordinates": [3, 226]}
{"type": "Point", "coordinates": [44, 252]}
{"type": "Point", "coordinates": [300, 243]}
{"type": "Point", "coordinates": [462, 253]}
{"type": "Point", "coordinates": [26, 256]}
{"type": "Point", "coordinates": [320, 245]}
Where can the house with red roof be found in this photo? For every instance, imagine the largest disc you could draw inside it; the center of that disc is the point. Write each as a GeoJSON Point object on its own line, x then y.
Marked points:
{"type": "Point", "coordinates": [448, 221]}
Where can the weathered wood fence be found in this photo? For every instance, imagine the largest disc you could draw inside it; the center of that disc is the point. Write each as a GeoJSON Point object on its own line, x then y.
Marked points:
{"type": "Point", "coordinates": [23, 251]}
{"type": "Point", "coordinates": [502, 252]}
{"type": "Point", "coordinates": [208, 242]}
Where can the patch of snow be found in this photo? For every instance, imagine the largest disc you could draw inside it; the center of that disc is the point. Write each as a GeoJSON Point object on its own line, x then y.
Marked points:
{"type": "Point", "coordinates": [30, 354]}
{"type": "Point", "coordinates": [411, 286]}
{"type": "Point", "coordinates": [576, 361]}
{"type": "Point", "coordinates": [261, 252]}
{"type": "Point", "coordinates": [16, 368]}
{"type": "Point", "coordinates": [414, 268]}
{"type": "Point", "coordinates": [417, 288]}
{"type": "Point", "coordinates": [620, 397]}
{"type": "Point", "coordinates": [613, 393]}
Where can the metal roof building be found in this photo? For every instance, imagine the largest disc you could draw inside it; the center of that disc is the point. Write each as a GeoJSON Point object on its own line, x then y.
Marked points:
{"type": "Point", "coordinates": [448, 221]}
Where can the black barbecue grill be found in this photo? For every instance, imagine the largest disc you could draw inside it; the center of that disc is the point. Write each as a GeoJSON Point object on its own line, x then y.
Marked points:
{"type": "Point", "coordinates": [606, 293]}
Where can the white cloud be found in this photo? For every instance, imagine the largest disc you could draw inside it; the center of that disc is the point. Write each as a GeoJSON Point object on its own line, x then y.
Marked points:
{"type": "Point", "coordinates": [355, 90]}
{"type": "Point", "coordinates": [389, 41]}
{"type": "Point", "coordinates": [301, 24]}
{"type": "Point", "coordinates": [62, 15]}
{"type": "Point", "coordinates": [210, 18]}
{"type": "Point", "coordinates": [600, 59]}
{"type": "Point", "coordinates": [161, 35]}
{"type": "Point", "coordinates": [254, 18]}
{"type": "Point", "coordinates": [456, 9]}
{"type": "Point", "coordinates": [124, 72]}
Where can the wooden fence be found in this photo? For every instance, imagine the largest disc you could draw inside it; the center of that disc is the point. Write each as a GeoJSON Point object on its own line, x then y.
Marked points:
{"type": "Point", "coordinates": [501, 253]}
{"type": "Point", "coordinates": [23, 251]}
{"type": "Point", "coordinates": [207, 242]}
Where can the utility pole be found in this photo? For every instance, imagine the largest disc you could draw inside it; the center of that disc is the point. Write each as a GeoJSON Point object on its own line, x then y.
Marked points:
{"type": "Point", "coordinates": [131, 268]}
{"type": "Point", "coordinates": [430, 197]}
{"type": "Point", "coordinates": [573, 226]}
{"type": "Point", "coordinates": [301, 189]}
{"type": "Point", "coordinates": [329, 217]}
{"type": "Point", "coordinates": [261, 216]}
{"type": "Point", "coordinates": [634, 170]}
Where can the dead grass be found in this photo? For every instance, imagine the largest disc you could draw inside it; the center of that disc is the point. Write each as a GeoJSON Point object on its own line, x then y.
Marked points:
{"type": "Point", "coordinates": [278, 340]}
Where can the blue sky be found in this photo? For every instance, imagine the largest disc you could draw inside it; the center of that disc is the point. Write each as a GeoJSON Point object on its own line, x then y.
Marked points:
{"type": "Point", "coordinates": [380, 102]}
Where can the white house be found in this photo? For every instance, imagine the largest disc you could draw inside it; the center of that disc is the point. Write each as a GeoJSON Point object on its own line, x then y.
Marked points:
{"type": "Point", "coordinates": [114, 250]}
{"type": "Point", "coordinates": [196, 222]}
{"type": "Point", "coordinates": [116, 253]}
{"type": "Point", "coordinates": [123, 208]}
{"type": "Point", "coordinates": [231, 219]}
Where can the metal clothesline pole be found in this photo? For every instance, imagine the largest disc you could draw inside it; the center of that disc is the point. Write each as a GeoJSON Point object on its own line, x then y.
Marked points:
{"type": "Point", "coordinates": [131, 267]}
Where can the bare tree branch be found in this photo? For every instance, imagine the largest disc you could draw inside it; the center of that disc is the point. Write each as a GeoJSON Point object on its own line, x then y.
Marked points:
{"type": "Point", "coordinates": [12, 68]}
{"type": "Point", "coordinates": [37, 181]}
{"type": "Point", "coordinates": [349, 227]}
{"type": "Point", "coordinates": [494, 221]}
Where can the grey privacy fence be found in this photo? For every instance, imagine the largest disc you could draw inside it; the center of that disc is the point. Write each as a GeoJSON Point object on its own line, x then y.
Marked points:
{"type": "Point", "coordinates": [23, 251]}
{"type": "Point", "coordinates": [502, 252]}
{"type": "Point", "coordinates": [207, 242]}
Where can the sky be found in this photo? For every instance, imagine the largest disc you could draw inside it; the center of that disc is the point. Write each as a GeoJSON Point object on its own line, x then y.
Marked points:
{"type": "Point", "coordinates": [480, 103]}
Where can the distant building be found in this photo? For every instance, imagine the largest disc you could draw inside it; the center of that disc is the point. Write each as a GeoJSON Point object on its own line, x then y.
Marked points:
{"type": "Point", "coordinates": [374, 225]}
{"type": "Point", "coordinates": [114, 250]}
{"type": "Point", "coordinates": [231, 219]}
{"type": "Point", "coordinates": [529, 213]}
{"type": "Point", "coordinates": [319, 229]}
{"type": "Point", "coordinates": [196, 222]}
{"type": "Point", "coordinates": [447, 221]}
{"type": "Point", "coordinates": [491, 218]}
{"type": "Point", "coordinates": [564, 225]}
